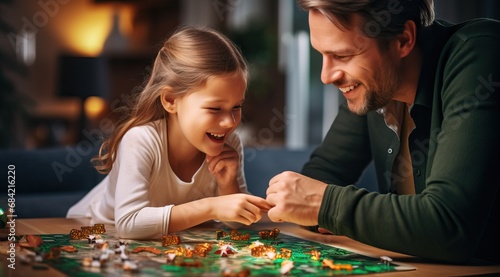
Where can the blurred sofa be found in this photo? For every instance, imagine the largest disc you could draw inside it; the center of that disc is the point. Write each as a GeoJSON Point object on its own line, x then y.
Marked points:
{"type": "Point", "coordinates": [49, 181]}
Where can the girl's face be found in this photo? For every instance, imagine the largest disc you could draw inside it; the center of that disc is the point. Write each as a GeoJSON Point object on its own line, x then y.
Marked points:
{"type": "Point", "coordinates": [206, 116]}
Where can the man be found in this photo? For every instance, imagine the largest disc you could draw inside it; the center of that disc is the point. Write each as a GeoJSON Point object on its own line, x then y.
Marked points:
{"type": "Point", "coordinates": [423, 104]}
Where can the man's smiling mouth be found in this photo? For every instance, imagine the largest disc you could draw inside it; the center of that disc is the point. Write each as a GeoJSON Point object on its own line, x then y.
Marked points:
{"type": "Point", "coordinates": [349, 88]}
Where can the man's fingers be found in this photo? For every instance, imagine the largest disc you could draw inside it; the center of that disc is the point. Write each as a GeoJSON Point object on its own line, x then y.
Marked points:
{"type": "Point", "coordinates": [271, 199]}
{"type": "Point", "coordinates": [270, 190]}
{"type": "Point", "coordinates": [275, 186]}
{"type": "Point", "coordinates": [274, 180]}
{"type": "Point", "coordinates": [274, 215]}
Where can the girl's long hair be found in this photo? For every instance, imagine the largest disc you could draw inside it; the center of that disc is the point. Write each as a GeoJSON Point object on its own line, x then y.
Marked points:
{"type": "Point", "coordinates": [185, 62]}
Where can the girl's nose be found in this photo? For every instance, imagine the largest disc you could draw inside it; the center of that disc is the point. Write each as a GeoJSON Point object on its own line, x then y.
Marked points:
{"type": "Point", "coordinates": [229, 120]}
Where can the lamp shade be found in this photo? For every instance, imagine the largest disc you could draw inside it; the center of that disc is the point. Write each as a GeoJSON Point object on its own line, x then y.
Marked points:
{"type": "Point", "coordinates": [83, 76]}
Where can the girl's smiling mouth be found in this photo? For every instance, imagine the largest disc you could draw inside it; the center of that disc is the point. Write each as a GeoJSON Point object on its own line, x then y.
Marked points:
{"type": "Point", "coordinates": [216, 137]}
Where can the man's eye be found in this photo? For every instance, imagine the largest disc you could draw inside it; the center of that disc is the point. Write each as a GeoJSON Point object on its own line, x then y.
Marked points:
{"type": "Point", "coordinates": [342, 58]}
{"type": "Point", "coordinates": [214, 109]}
{"type": "Point", "coordinates": [237, 107]}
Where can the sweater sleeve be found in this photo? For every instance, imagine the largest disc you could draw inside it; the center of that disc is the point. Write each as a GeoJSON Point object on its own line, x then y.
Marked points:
{"type": "Point", "coordinates": [134, 216]}
{"type": "Point", "coordinates": [235, 142]}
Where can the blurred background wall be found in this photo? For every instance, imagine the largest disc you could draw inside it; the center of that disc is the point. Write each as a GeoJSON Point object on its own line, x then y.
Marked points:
{"type": "Point", "coordinates": [66, 65]}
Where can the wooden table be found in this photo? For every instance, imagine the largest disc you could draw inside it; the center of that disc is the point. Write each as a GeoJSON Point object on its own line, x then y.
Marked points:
{"type": "Point", "coordinates": [423, 268]}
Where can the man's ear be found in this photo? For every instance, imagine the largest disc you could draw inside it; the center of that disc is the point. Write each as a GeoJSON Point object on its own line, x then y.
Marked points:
{"type": "Point", "coordinates": [407, 39]}
{"type": "Point", "coordinates": [167, 100]}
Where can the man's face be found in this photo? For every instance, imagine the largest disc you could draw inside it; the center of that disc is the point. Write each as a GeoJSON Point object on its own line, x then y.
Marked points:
{"type": "Point", "coordinates": [367, 77]}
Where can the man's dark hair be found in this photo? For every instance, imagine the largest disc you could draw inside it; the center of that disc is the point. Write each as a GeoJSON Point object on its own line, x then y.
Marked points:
{"type": "Point", "coordinates": [380, 18]}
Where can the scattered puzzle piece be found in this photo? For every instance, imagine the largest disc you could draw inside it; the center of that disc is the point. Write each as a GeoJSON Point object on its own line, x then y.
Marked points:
{"type": "Point", "coordinates": [202, 249]}
{"type": "Point", "coordinates": [286, 267]}
{"type": "Point", "coordinates": [168, 240]}
{"type": "Point", "coordinates": [31, 241]}
{"type": "Point", "coordinates": [86, 231]}
{"type": "Point", "coordinates": [147, 249]}
{"type": "Point", "coordinates": [68, 248]}
{"type": "Point", "coordinates": [330, 264]}
{"type": "Point", "coordinates": [269, 234]}
{"type": "Point", "coordinates": [236, 235]}
{"type": "Point", "coordinates": [219, 234]}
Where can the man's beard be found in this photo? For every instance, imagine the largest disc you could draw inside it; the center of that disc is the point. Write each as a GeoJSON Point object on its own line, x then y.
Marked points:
{"type": "Point", "coordinates": [385, 83]}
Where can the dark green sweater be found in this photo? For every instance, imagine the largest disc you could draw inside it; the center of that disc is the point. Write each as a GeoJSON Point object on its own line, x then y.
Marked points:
{"type": "Point", "coordinates": [455, 151]}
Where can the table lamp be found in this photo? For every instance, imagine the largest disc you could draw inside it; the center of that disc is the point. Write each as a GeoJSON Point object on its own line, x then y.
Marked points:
{"type": "Point", "coordinates": [87, 79]}
{"type": "Point", "coordinates": [82, 77]}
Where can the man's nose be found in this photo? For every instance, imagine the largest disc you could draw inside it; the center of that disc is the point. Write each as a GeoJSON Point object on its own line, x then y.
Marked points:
{"type": "Point", "coordinates": [330, 73]}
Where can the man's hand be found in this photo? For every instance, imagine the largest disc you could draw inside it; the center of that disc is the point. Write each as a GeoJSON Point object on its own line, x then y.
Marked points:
{"type": "Point", "coordinates": [295, 198]}
{"type": "Point", "coordinates": [225, 169]}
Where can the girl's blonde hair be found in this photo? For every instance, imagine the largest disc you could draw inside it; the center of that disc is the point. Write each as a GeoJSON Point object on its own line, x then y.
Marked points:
{"type": "Point", "coordinates": [185, 62]}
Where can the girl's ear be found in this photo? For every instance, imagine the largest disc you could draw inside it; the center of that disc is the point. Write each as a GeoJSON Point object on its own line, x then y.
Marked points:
{"type": "Point", "coordinates": [167, 100]}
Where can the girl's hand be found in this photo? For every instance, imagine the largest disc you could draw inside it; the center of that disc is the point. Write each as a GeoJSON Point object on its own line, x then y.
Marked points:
{"type": "Point", "coordinates": [224, 167]}
{"type": "Point", "coordinates": [240, 207]}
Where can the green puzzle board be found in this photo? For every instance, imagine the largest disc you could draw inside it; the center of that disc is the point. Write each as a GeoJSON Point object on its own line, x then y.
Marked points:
{"type": "Point", "coordinates": [213, 264]}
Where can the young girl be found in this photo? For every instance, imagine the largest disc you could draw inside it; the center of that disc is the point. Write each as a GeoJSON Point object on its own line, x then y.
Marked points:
{"type": "Point", "coordinates": [175, 162]}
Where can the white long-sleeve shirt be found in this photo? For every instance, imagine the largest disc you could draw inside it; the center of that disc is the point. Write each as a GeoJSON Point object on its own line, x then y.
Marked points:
{"type": "Point", "coordinates": [139, 192]}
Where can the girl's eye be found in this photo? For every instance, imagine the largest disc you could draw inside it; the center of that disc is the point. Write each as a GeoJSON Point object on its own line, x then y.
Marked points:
{"type": "Point", "coordinates": [216, 109]}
